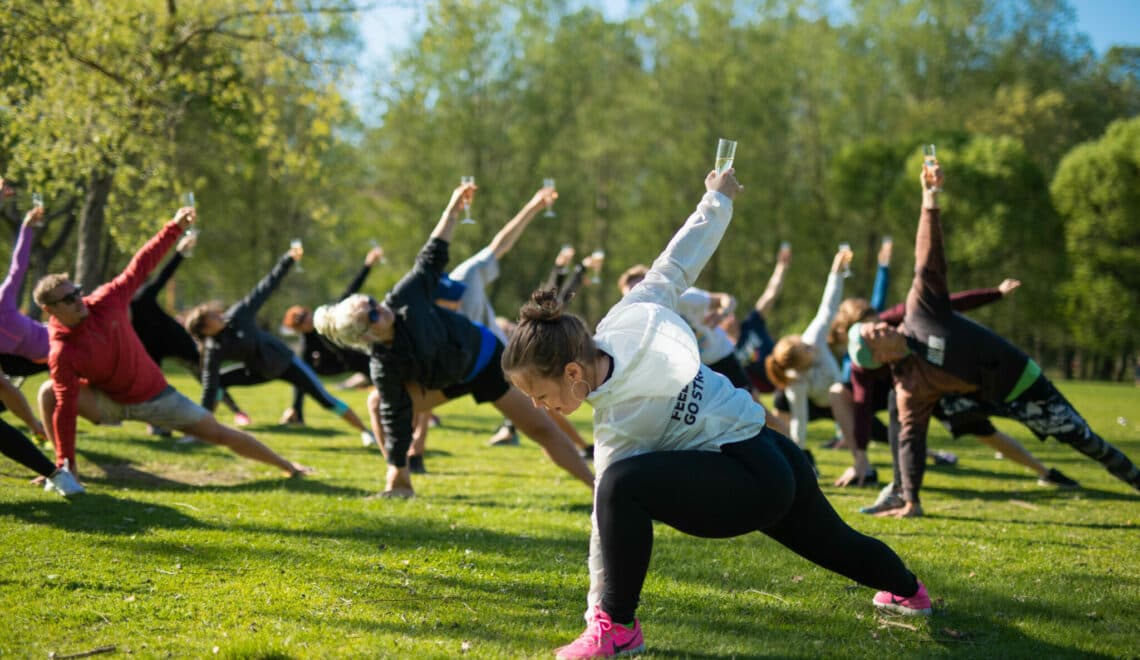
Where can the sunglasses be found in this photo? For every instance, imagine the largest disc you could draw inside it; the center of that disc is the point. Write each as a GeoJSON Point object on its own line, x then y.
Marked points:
{"type": "Point", "coordinates": [373, 311]}
{"type": "Point", "coordinates": [70, 298]}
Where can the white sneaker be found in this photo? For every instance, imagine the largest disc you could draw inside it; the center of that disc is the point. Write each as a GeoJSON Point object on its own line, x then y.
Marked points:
{"type": "Point", "coordinates": [63, 482]}
{"type": "Point", "coordinates": [367, 439]}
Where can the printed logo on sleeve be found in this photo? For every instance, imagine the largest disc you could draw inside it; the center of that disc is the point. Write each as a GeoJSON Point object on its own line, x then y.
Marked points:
{"type": "Point", "coordinates": [935, 350]}
{"type": "Point", "coordinates": [688, 404]}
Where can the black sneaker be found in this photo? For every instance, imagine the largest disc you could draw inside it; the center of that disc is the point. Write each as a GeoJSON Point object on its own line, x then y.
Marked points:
{"type": "Point", "coordinates": [416, 465]}
{"type": "Point", "coordinates": [1058, 480]}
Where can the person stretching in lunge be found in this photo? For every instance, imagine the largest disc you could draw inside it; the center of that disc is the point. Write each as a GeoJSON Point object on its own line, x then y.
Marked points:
{"type": "Point", "coordinates": [676, 442]}
{"type": "Point", "coordinates": [937, 352]}
{"type": "Point", "coordinates": [99, 368]}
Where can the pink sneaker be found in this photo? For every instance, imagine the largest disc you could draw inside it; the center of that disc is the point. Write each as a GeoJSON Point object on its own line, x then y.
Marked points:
{"type": "Point", "coordinates": [918, 604]}
{"type": "Point", "coordinates": [604, 639]}
{"type": "Point", "coordinates": [242, 419]}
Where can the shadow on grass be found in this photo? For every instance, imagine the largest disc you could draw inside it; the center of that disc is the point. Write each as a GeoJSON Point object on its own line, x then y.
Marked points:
{"type": "Point", "coordinates": [1037, 495]}
{"type": "Point", "coordinates": [90, 513]}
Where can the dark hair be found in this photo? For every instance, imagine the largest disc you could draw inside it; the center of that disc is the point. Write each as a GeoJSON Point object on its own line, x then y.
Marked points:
{"type": "Point", "coordinates": [546, 340]}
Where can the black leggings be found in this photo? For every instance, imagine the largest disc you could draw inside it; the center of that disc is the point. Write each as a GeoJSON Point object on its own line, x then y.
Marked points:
{"type": "Point", "coordinates": [298, 373]}
{"type": "Point", "coordinates": [16, 446]}
{"type": "Point", "coordinates": [763, 484]}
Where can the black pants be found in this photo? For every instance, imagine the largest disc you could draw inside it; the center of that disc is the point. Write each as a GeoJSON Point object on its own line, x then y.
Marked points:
{"type": "Point", "coordinates": [731, 369]}
{"type": "Point", "coordinates": [763, 484]}
{"type": "Point", "coordinates": [298, 374]}
{"type": "Point", "coordinates": [19, 448]}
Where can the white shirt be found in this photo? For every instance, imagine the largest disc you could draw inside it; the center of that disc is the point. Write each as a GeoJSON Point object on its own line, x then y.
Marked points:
{"type": "Point", "coordinates": [476, 273]}
{"type": "Point", "coordinates": [659, 396]}
{"type": "Point", "coordinates": [824, 371]}
{"type": "Point", "coordinates": [713, 342]}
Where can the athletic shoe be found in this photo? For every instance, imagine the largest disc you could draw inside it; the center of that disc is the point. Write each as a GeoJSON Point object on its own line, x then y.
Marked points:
{"type": "Point", "coordinates": [416, 465]}
{"type": "Point", "coordinates": [434, 421]}
{"type": "Point", "coordinates": [832, 443]}
{"type": "Point", "coordinates": [242, 419]}
{"type": "Point", "coordinates": [159, 431]}
{"type": "Point", "coordinates": [504, 437]}
{"type": "Point", "coordinates": [1057, 479]}
{"type": "Point", "coordinates": [916, 605]}
{"type": "Point", "coordinates": [888, 499]}
{"type": "Point", "coordinates": [587, 453]}
{"type": "Point", "coordinates": [63, 482]}
{"type": "Point", "coordinates": [944, 457]}
{"type": "Point", "coordinates": [367, 439]}
{"type": "Point", "coordinates": [604, 639]}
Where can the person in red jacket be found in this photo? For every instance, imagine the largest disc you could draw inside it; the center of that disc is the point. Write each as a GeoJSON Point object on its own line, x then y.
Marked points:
{"type": "Point", "coordinates": [99, 368]}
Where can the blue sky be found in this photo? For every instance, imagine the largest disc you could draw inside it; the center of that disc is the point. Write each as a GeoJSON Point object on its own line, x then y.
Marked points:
{"type": "Point", "coordinates": [386, 28]}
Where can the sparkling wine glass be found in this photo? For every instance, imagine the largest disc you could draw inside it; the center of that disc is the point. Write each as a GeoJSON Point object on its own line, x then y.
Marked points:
{"type": "Point", "coordinates": [548, 183]}
{"type": "Point", "coordinates": [188, 199]}
{"type": "Point", "coordinates": [846, 272]}
{"type": "Point", "coordinates": [38, 200]}
{"type": "Point", "coordinates": [376, 244]}
{"type": "Point", "coordinates": [467, 201]}
{"type": "Point", "coordinates": [597, 258]}
{"type": "Point", "coordinates": [191, 233]}
{"type": "Point", "coordinates": [930, 162]}
{"type": "Point", "coordinates": [297, 245]}
{"type": "Point", "coordinates": [725, 154]}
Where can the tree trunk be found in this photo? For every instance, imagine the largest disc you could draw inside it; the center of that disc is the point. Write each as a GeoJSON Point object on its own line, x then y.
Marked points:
{"type": "Point", "coordinates": [89, 260]}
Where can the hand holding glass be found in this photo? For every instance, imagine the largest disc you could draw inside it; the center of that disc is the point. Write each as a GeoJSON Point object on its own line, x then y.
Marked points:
{"type": "Point", "coordinates": [846, 270]}
{"type": "Point", "coordinates": [548, 183]}
{"type": "Point", "coordinates": [376, 246]}
{"type": "Point", "coordinates": [297, 248]}
{"type": "Point", "coordinates": [597, 258]}
{"type": "Point", "coordinates": [930, 164]}
{"type": "Point", "coordinates": [191, 240]}
{"type": "Point", "coordinates": [725, 154]}
{"type": "Point", "coordinates": [467, 180]}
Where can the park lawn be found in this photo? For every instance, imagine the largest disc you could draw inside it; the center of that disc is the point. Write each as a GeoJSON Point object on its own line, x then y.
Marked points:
{"type": "Point", "coordinates": [188, 551]}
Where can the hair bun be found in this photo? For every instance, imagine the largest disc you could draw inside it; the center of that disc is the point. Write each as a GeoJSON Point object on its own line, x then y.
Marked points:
{"type": "Point", "coordinates": [543, 307]}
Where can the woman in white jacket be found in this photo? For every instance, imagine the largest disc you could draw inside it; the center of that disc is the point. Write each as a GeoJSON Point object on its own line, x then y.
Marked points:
{"type": "Point", "coordinates": [676, 442]}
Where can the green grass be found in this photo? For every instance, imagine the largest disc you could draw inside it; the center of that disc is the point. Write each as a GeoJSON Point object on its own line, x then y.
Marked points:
{"type": "Point", "coordinates": [189, 551]}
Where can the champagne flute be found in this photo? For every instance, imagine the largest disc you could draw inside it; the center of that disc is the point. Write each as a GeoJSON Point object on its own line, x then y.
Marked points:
{"type": "Point", "coordinates": [192, 234]}
{"type": "Point", "coordinates": [467, 201]}
{"type": "Point", "coordinates": [725, 154]}
{"type": "Point", "coordinates": [297, 245]}
{"type": "Point", "coordinates": [846, 272]}
{"type": "Point", "coordinates": [597, 258]}
{"type": "Point", "coordinates": [37, 200]}
{"type": "Point", "coordinates": [376, 244]}
{"type": "Point", "coordinates": [548, 183]}
{"type": "Point", "coordinates": [188, 199]}
{"type": "Point", "coordinates": [930, 161]}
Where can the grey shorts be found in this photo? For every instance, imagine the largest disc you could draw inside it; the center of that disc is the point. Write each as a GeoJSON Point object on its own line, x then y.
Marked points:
{"type": "Point", "coordinates": [170, 409]}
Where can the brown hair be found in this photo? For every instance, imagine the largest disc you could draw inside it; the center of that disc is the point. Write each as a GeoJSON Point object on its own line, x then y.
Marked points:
{"type": "Point", "coordinates": [546, 340]}
{"type": "Point", "coordinates": [196, 317]}
{"type": "Point", "coordinates": [851, 311]}
{"type": "Point", "coordinates": [46, 285]}
{"type": "Point", "coordinates": [632, 273]}
{"type": "Point", "coordinates": [294, 315]}
{"type": "Point", "coordinates": [790, 353]}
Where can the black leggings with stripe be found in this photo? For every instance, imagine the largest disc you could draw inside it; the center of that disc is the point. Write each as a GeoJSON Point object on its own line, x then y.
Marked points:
{"type": "Point", "coordinates": [764, 484]}
{"type": "Point", "coordinates": [19, 448]}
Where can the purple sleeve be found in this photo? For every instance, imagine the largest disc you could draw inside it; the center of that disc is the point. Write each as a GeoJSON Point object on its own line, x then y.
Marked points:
{"type": "Point", "coordinates": [10, 289]}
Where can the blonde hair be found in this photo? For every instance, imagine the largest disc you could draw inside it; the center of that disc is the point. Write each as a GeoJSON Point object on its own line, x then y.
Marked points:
{"type": "Point", "coordinates": [788, 360]}
{"type": "Point", "coordinates": [345, 322]}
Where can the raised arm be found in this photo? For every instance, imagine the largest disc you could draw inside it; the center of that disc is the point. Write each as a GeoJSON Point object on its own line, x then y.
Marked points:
{"type": "Point", "coordinates": [152, 288]}
{"type": "Point", "coordinates": [509, 234]}
{"type": "Point", "coordinates": [816, 333]}
{"type": "Point", "coordinates": [10, 288]}
{"type": "Point", "coordinates": [268, 284]}
{"type": "Point", "coordinates": [371, 258]}
{"type": "Point", "coordinates": [144, 261]}
{"type": "Point", "coordinates": [882, 277]}
{"type": "Point", "coordinates": [775, 282]}
{"type": "Point", "coordinates": [446, 225]}
{"type": "Point", "coordinates": [929, 288]}
{"type": "Point", "coordinates": [960, 301]}
{"type": "Point", "coordinates": [691, 247]}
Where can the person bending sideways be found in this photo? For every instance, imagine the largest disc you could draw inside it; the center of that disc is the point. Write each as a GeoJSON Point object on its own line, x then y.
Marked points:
{"type": "Point", "coordinates": [424, 355]}
{"type": "Point", "coordinates": [99, 368]}
{"type": "Point", "coordinates": [676, 442]}
{"type": "Point", "coordinates": [937, 352]}
{"type": "Point", "coordinates": [23, 340]}
{"type": "Point", "coordinates": [258, 356]}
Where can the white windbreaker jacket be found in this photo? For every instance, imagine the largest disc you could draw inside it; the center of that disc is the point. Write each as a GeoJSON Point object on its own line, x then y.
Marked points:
{"type": "Point", "coordinates": [659, 396]}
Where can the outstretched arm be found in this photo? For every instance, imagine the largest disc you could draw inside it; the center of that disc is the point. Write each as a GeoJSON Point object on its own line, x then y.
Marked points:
{"type": "Point", "coordinates": [929, 288]}
{"type": "Point", "coordinates": [509, 234]}
{"type": "Point", "coordinates": [446, 225]}
{"type": "Point", "coordinates": [775, 282]}
{"type": "Point", "coordinates": [371, 258]}
{"type": "Point", "coordinates": [882, 277]}
{"type": "Point", "coordinates": [10, 288]}
{"type": "Point", "coordinates": [268, 284]}
{"type": "Point", "coordinates": [816, 332]}
{"type": "Point", "coordinates": [691, 247]}
{"type": "Point", "coordinates": [144, 261]}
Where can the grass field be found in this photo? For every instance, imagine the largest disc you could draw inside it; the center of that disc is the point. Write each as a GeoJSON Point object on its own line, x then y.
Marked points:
{"type": "Point", "coordinates": [187, 551]}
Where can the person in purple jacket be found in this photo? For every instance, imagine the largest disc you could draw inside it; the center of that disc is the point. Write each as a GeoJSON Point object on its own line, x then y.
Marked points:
{"type": "Point", "coordinates": [23, 340]}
